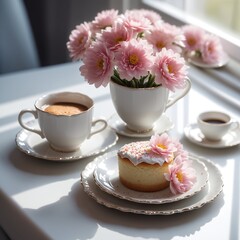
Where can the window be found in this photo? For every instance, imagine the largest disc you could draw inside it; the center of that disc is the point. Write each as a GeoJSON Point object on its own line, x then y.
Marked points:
{"type": "Point", "coordinates": [224, 14]}
{"type": "Point", "coordinates": [221, 17]}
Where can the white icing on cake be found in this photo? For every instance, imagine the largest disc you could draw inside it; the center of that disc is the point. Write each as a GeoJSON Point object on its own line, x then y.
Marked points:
{"type": "Point", "coordinates": [138, 152]}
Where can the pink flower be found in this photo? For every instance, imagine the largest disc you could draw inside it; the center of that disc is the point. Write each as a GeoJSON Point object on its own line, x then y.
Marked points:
{"type": "Point", "coordinates": [194, 37]}
{"type": "Point", "coordinates": [163, 146]}
{"type": "Point", "coordinates": [166, 36]}
{"type": "Point", "coordinates": [211, 50]}
{"type": "Point", "coordinates": [79, 41]}
{"type": "Point", "coordinates": [152, 16]}
{"type": "Point", "coordinates": [180, 151]}
{"type": "Point", "coordinates": [169, 69]}
{"type": "Point", "coordinates": [104, 19]}
{"type": "Point", "coordinates": [181, 176]}
{"type": "Point", "coordinates": [114, 36]}
{"type": "Point", "coordinates": [132, 19]}
{"type": "Point", "coordinates": [97, 65]}
{"type": "Point", "coordinates": [133, 59]}
{"type": "Point", "coordinates": [129, 46]}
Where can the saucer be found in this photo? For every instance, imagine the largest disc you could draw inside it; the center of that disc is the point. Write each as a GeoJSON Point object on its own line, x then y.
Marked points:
{"type": "Point", "coordinates": [197, 61]}
{"type": "Point", "coordinates": [106, 177]}
{"type": "Point", "coordinates": [32, 144]}
{"type": "Point", "coordinates": [193, 133]}
{"type": "Point", "coordinates": [163, 124]}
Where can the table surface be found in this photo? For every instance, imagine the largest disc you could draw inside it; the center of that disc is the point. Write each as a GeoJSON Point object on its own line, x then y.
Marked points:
{"type": "Point", "coordinates": [42, 199]}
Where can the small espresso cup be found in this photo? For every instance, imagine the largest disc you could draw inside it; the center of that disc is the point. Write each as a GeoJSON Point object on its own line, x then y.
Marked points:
{"type": "Point", "coordinates": [65, 120]}
{"type": "Point", "coordinates": [215, 125]}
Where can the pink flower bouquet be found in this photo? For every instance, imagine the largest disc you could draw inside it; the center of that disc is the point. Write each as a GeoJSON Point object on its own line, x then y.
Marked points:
{"type": "Point", "coordinates": [134, 49]}
{"type": "Point", "coordinates": [201, 44]}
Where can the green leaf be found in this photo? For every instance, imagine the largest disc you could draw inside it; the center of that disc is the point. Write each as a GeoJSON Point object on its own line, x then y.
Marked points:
{"type": "Point", "coordinates": [143, 82]}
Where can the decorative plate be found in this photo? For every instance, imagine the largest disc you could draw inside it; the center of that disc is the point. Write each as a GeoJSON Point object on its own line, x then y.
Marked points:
{"type": "Point", "coordinates": [206, 195]}
{"type": "Point", "coordinates": [107, 178]}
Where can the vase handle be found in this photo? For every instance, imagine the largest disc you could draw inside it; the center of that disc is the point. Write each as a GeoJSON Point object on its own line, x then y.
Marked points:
{"type": "Point", "coordinates": [179, 94]}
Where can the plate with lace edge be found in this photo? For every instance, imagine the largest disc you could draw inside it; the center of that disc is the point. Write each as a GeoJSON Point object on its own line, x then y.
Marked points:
{"type": "Point", "coordinates": [106, 177]}
{"type": "Point", "coordinates": [212, 189]}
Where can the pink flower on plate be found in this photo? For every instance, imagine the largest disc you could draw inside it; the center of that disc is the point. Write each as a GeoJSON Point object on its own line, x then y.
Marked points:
{"type": "Point", "coordinates": [136, 22]}
{"type": "Point", "coordinates": [114, 36]}
{"type": "Point", "coordinates": [194, 37]}
{"type": "Point", "coordinates": [169, 69]}
{"type": "Point", "coordinates": [103, 20]}
{"type": "Point", "coordinates": [167, 36]}
{"type": "Point", "coordinates": [211, 51]}
{"type": "Point", "coordinates": [79, 41]}
{"type": "Point", "coordinates": [133, 59]}
{"type": "Point", "coordinates": [163, 145]}
{"type": "Point", "coordinates": [181, 176]}
{"type": "Point", "coordinates": [97, 65]}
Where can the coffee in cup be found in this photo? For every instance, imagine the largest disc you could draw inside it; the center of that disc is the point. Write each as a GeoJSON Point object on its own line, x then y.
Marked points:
{"type": "Point", "coordinates": [215, 125]}
{"type": "Point", "coordinates": [65, 120]}
{"type": "Point", "coordinates": [65, 108]}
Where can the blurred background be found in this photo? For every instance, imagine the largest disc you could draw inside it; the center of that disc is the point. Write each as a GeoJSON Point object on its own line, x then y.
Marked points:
{"type": "Point", "coordinates": [34, 33]}
{"type": "Point", "coordinates": [52, 22]}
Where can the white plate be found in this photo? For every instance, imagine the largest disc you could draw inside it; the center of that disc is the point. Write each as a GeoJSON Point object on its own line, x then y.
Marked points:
{"type": "Point", "coordinates": [193, 133]}
{"type": "Point", "coordinates": [206, 195]}
{"type": "Point", "coordinates": [107, 178]}
{"type": "Point", "coordinates": [33, 145]}
{"type": "Point", "coordinates": [163, 124]}
{"type": "Point", "coordinates": [197, 61]}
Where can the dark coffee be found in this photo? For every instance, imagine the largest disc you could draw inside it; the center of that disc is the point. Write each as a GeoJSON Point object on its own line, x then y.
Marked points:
{"type": "Point", "coordinates": [65, 108]}
{"type": "Point", "coordinates": [214, 121]}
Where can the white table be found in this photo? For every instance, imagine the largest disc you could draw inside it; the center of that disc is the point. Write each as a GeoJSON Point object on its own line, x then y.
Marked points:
{"type": "Point", "coordinates": [41, 199]}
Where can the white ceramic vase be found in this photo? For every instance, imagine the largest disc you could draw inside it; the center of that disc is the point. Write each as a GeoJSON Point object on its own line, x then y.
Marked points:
{"type": "Point", "coordinates": [140, 108]}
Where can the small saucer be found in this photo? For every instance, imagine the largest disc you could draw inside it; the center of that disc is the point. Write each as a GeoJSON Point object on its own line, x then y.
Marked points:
{"type": "Point", "coordinates": [197, 61]}
{"type": "Point", "coordinates": [193, 133]}
{"type": "Point", "coordinates": [163, 124]}
{"type": "Point", "coordinates": [33, 145]}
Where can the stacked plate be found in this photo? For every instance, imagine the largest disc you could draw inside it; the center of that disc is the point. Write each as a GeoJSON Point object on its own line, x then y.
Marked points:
{"type": "Point", "coordinates": [100, 180]}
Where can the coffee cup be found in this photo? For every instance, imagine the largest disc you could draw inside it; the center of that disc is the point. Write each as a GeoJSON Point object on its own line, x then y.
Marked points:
{"type": "Point", "coordinates": [215, 125]}
{"type": "Point", "coordinates": [64, 119]}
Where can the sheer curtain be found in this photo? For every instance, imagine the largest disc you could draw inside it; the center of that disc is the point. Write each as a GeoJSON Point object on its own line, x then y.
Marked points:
{"type": "Point", "coordinates": [52, 22]}
{"type": "Point", "coordinates": [17, 45]}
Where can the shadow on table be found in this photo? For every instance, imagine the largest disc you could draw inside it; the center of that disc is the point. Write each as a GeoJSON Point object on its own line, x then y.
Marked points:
{"type": "Point", "coordinates": [77, 204]}
{"type": "Point", "coordinates": [39, 172]}
{"type": "Point", "coordinates": [43, 167]}
{"type": "Point", "coordinates": [168, 226]}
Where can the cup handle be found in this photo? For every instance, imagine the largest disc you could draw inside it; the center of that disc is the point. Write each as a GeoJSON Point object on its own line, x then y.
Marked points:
{"type": "Point", "coordinates": [175, 97]}
{"type": "Point", "coordinates": [99, 129]}
{"type": "Point", "coordinates": [25, 126]}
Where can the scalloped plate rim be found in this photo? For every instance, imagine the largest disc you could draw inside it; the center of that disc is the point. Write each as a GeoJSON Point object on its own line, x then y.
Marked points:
{"type": "Point", "coordinates": [209, 194]}
{"type": "Point", "coordinates": [22, 144]}
{"type": "Point", "coordinates": [122, 192]}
